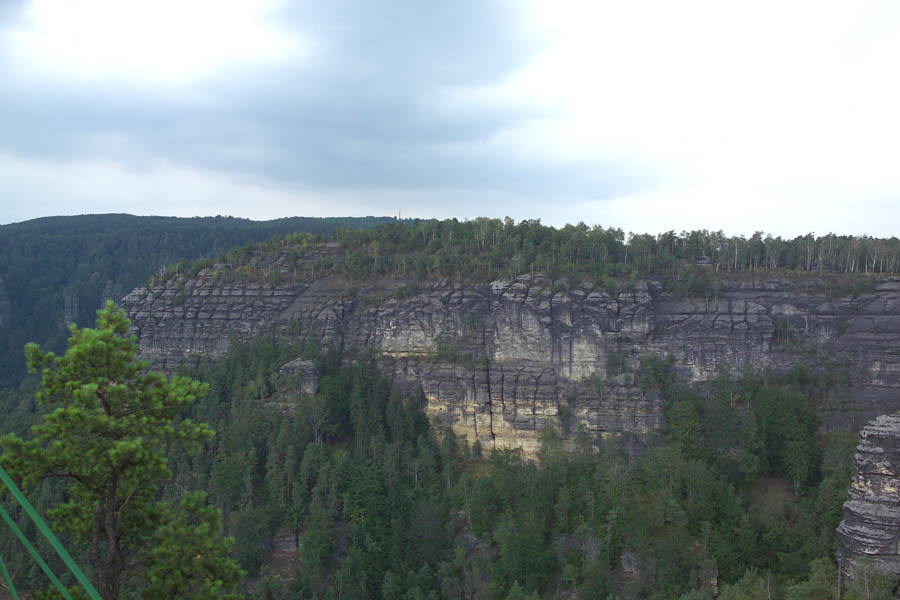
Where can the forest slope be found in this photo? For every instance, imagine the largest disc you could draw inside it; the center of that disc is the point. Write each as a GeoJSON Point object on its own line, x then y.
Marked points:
{"type": "Point", "coordinates": [57, 270]}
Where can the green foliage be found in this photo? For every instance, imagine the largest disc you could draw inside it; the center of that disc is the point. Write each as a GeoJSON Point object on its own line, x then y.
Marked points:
{"type": "Point", "coordinates": [383, 506]}
{"type": "Point", "coordinates": [821, 585]}
{"type": "Point", "coordinates": [722, 491]}
{"type": "Point", "coordinates": [852, 285]}
{"type": "Point", "coordinates": [689, 264]}
{"type": "Point", "coordinates": [187, 558]}
{"type": "Point", "coordinates": [80, 261]}
{"type": "Point", "coordinates": [868, 583]}
{"type": "Point", "coordinates": [517, 593]}
{"type": "Point", "coordinates": [355, 471]}
{"type": "Point", "coordinates": [657, 372]}
{"type": "Point", "coordinates": [106, 438]}
{"type": "Point", "coordinates": [752, 586]}
{"type": "Point", "coordinates": [696, 282]}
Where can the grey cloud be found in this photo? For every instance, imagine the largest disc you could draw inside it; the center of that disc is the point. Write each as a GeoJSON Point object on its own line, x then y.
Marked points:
{"type": "Point", "coordinates": [12, 13]}
{"type": "Point", "coordinates": [417, 44]}
{"type": "Point", "coordinates": [361, 113]}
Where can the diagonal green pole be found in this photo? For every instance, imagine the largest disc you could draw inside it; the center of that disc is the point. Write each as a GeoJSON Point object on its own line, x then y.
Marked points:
{"type": "Point", "coordinates": [34, 554]}
{"type": "Point", "coordinates": [8, 579]}
{"type": "Point", "coordinates": [45, 531]}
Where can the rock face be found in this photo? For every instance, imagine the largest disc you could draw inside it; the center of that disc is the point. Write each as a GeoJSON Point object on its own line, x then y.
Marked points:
{"type": "Point", "coordinates": [499, 360]}
{"type": "Point", "coordinates": [70, 309]}
{"type": "Point", "coordinates": [871, 525]}
{"type": "Point", "coordinates": [295, 378]}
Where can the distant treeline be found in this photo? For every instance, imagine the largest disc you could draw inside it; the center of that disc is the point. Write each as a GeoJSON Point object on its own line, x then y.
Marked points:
{"type": "Point", "coordinates": [494, 244]}
{"type": "Point", "coordinates": [62, 268]}
{"type": "Point", "coordinates": [487, 249]}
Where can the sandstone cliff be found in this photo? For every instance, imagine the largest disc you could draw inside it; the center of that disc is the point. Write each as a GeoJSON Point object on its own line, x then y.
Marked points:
{"type": "Point", "coordinates": [500, 359]}
{"type": "Point", "coordinates": [871, 526]}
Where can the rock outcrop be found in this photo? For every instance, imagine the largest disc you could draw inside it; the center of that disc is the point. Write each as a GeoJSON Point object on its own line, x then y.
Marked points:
{"type": "Point", "coordinates": [295, 378]}
{"type": "Point", "coordinates": [70, 309]}
{"type": "Point", "coordinates": [871, 526]}
{"type": "Point", "coordinates": [499, 360]}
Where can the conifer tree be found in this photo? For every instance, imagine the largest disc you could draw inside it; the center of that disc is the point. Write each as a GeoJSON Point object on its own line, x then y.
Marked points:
{"type": "Point", "coordinates": [106, 436]}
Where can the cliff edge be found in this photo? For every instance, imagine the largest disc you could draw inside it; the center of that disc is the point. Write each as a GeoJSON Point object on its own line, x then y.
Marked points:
{"type": "Point", "coordinates": [871, 526]}
{"type": "Point", "coordinates": [499, 360]}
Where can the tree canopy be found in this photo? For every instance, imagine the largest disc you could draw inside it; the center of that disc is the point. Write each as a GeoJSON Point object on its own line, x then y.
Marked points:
{"type": "Point", "coordinates": [109, 426]}
{"type": "Point", "coordinates": [486, 249]}
{"type": "Point", "coordinates": [60, 270]}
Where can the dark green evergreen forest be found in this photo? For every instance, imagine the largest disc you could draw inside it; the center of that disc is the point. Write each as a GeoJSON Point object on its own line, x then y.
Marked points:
{"type": "Point", "coordinates": [742, 486]}
{"type": "Point", "coordinates": [741, 483]}
{"type": "Point", "coordinates": [386, 507]}
{"type": "Point", "coordinates": [59, 268]}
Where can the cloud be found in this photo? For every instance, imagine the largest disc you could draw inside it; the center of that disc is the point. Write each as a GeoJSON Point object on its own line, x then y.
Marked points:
{"type": "Point", "coordinates": [364, 108]}
{"type": "Point", "coordinates": [742, 210]}
{"type": "Point", "coordinates": [730, 115]}
{"type": "Point", "coordinates": [410, 97]}
{"type": "Point", "coordinates": [157, 188]}
{"type": "Point", "coordinates": [166, 41]}
{"type": "Point", "coordinates": [64, 187]}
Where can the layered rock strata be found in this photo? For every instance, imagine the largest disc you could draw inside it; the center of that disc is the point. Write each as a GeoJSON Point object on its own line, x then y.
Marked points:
{"type": "Point", "coordinates": [499, 360]}
{"type": "Point", "coordinates": [871, 526]}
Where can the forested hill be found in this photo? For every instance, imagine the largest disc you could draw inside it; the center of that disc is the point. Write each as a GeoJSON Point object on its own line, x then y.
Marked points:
{"type": "Point", "coordinates": [487, 249]}
{"type": "Point", "coordinates": [58, 269]}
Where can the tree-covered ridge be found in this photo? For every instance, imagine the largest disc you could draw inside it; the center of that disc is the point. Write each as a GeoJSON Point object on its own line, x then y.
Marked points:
{"type": "Point", "coordinates": [740, 486]}
{"type": "Point", "coordinates": [58, 268]}
{"type": "Point", "coordinates": [487, 249]}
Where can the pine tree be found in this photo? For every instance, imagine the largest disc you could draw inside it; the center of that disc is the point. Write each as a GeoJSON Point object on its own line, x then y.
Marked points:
{"type": "Point", "coordinates": [188, 559]}
{"type": "Point", "coordinates": [106, 436]}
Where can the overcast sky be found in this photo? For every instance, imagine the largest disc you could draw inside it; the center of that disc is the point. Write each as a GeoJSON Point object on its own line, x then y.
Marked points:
{"type": "Point", "coordinates": [650, 116]}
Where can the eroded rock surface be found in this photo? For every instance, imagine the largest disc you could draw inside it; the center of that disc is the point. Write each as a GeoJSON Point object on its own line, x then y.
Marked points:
{"type": "Point", "coordinates": [871, 526]}
{"type": "Point", "coordinates": [295, 378]}
{"type": "Point", "coordinates": [499, 360]}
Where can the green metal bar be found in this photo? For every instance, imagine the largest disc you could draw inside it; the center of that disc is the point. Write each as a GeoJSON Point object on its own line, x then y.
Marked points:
{"type": "Point", "coordinates": [34, 554]}
{"type": "Point", "coordinates": [8, 579]}
{"type": "Point", "coordinates": [45, 531]}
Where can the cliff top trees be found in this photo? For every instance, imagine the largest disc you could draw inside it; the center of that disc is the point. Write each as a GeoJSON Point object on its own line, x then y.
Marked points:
{"type": "Point", "coordinates": [107, 439]}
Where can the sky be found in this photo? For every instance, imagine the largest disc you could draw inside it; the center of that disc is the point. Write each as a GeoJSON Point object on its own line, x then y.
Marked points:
{"type": "Point", "coordinates": [651, 116]}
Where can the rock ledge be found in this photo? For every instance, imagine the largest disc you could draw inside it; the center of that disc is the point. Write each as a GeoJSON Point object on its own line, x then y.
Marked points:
{"type": "Point", "coordinates": [871, 525]}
